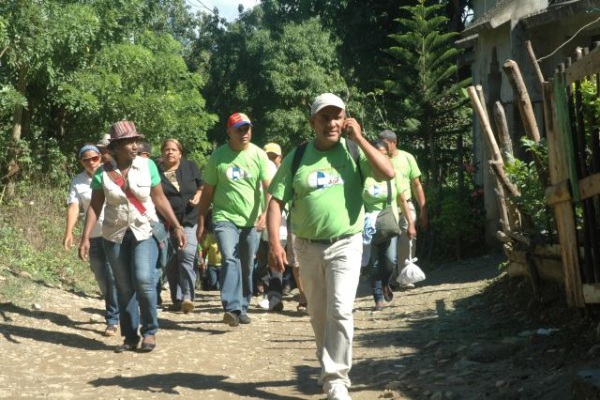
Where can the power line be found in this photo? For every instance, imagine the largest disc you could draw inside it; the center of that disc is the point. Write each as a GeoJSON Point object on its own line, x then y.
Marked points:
{"type": "Point", "coordinates": [199, 3]}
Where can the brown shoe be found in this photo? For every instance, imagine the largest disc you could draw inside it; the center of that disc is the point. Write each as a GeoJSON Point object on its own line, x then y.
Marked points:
{"type": "Point", "coordinates": [148, 344]}
{"type": "Point", "coordinates": [111, 330]}
{"type": "Point", "coordinates": [187, 306]}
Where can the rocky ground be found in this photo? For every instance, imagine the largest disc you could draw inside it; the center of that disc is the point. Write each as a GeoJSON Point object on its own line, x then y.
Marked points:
{"type": "Point", "coordinates": [467, 332]}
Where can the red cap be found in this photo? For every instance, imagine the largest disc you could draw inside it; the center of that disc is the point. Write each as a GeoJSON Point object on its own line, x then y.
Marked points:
{"type": "Point", "coordinates": [238, 119]}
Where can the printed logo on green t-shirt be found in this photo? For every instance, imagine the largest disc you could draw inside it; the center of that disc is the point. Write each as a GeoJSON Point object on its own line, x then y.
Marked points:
{"type": "Point", "coordinates": [322, 180]}
{"type": "Point", "coordinates": [235, 173]}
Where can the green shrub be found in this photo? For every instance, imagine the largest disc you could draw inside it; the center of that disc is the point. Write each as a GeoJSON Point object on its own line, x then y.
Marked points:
{"type": "Point", "coordinates": [31, 233]}
{"type": "Point", "coordinates": [537, 219]}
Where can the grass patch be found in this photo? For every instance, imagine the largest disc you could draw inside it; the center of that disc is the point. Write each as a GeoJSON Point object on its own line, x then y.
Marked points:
{"type": "Point", "coordinates": [31, 232]}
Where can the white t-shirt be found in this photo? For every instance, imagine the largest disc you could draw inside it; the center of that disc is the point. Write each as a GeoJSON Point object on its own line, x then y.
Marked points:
{"type": "Point", "coordinates": [272, 167]}
{"type": "Point", "coordinates": [80, 192]}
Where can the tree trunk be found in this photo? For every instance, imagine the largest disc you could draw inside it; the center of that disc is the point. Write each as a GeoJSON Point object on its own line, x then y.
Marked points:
{"type": "Point", "coordinates": [13, 148]}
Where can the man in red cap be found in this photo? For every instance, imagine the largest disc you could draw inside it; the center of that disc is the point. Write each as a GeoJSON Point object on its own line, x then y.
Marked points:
{"type": "Point", "coordinates": [233, 177]}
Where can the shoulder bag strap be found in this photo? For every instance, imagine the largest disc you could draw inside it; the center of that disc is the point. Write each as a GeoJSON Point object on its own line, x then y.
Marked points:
{"type": "Point", "coordinates": [119, 180]}
{"type": "Point", "coordinates": [389, 193]}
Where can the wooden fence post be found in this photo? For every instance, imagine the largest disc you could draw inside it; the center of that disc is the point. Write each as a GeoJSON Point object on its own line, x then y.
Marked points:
{"type": "Point", "coordinates": [565, 216]}
{"type": "Point", "coordinates": [511, 68]}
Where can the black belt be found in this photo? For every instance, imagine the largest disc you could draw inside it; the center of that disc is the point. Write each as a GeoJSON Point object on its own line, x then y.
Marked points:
{"type": "Point", "coordinates": [328, 241]}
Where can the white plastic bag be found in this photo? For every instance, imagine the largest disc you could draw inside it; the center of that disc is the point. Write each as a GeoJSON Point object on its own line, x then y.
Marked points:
{"type": "Point", "coordinates": [411, 273]}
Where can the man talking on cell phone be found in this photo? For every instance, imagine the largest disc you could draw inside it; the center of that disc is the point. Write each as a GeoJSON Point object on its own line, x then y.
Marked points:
{"type": "Point", "coordinates": [323, 179]}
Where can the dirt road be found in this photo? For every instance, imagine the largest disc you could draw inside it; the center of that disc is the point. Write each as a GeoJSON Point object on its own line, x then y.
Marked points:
{"type": "Point", "coordinates": [456, 336]}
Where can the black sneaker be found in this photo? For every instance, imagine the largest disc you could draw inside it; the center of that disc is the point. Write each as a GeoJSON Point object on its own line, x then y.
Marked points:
{"type": "Point", "coordinates": [388, 294]}
{"type": "Point", "coordinates": [231, 318]}
{"type": "Point", "coordinates": [244, 319]}
{"type": "Point", "coordinates": [175, 307]}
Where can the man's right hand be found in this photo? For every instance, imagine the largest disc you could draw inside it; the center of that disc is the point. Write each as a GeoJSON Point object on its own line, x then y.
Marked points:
{"type": "Point", "coordinates": [277, 258]}
{"type": "Point", "coordinates": [84, 249]}
{"type": "Point", "coordinates": [200, 232]}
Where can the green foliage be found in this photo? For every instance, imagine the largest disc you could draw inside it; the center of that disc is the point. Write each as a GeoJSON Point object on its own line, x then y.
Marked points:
{"type": "Point", "coordinates": [459, 222]}
{"type": "Point", "coordinates": [9, 99]}
{"type": "Point", "coordinates": [147, 83]}
{"type": "Point", "coordinates": [273, 77]}
{"type": "Point", "coordinates": [525, 176]}
{"type": "Point", "coordinates": [31, 231]}
{"type": "Point", "coordinates": [77, 68]}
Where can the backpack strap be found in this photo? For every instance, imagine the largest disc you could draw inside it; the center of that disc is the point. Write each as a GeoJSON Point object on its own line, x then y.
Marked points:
{"type": "Point", "coordinates": [355, 153]}
{"type": "Point", "coordinates": [298, 154]}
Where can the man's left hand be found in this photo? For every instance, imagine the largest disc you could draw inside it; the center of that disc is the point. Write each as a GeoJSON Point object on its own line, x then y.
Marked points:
{"type": "Point", "coordinates": [352, 129]}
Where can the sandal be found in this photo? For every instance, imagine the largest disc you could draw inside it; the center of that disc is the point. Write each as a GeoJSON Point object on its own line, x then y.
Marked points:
{"type": "Point", "coordinates": [301, 307]}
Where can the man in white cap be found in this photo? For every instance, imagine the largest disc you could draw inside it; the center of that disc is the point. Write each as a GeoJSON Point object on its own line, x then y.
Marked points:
{"type": "Point", "coordinates": [324, 184]}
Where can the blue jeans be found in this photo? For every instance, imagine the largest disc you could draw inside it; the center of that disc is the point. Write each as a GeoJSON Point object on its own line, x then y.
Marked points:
{"type": "Point", "coordinates": [214, 274]}
{"type": "Point", "coordinates": [134, 268]}
{"type": "Point", "coordinates": [106, 282]}
{"type": "Point", "coordinates": [181, 268]}
{"type": "Point", "coordinates": [238, 248]}
{"type": "Point", "coordinates": [382, 263]}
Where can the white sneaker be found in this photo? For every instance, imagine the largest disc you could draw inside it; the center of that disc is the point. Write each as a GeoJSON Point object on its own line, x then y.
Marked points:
{"type": "Point", "coordinates": [264, 303]}
{"type": "Point", "coordinates": [275, 304]}
{"type": "Point", "coordinates": [338, 391]}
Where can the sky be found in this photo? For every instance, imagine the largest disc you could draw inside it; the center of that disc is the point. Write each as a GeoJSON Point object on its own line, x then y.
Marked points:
{"type": "Point", "coordinates": [228, 9]}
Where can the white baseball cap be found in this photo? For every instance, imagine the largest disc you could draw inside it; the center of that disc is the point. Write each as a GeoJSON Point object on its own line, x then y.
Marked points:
{"type": "Point", "coordinates": [326, 100]}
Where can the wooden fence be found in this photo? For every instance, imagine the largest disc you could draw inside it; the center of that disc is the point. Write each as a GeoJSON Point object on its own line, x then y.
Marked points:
{"type": "Point", "coordinates": [571, 176]}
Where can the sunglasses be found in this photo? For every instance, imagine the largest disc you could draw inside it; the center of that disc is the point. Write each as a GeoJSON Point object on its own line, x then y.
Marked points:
{"type": "Point", "coordinates": [91, 159]}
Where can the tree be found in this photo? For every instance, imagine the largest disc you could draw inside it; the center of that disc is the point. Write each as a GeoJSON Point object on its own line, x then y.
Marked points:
{"type": "Point", "coordinates": [148, 83]}
{"type": "Point", "coordinates": [424, 80]}
{"type": "Point", "coordinates": [273, 76]}
{"type": "Point", "coordinates": [424, 84]}
{"type": "Point", "coordinates": [52, 52]}
{"type": "Point", "coordinates": [43, 41]}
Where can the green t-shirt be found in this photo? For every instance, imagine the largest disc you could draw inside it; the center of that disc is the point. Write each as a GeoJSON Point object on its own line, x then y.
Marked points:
{"type": "Point", "coordinates": [237, 178]}
{"type": "Point", "coordinates": [375, 194]}
{"type": "Point", "coordinates": [326, 189]}
{"type": "Point", "coordinates": [406, 169]}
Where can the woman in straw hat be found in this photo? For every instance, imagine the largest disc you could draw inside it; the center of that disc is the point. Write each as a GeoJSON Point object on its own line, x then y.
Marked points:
{"type": "Point", "coordinates": [129, 189]}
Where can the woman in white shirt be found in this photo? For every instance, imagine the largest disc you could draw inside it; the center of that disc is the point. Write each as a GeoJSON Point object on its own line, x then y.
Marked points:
{"type": "Point", "coordinates": [78, 200]}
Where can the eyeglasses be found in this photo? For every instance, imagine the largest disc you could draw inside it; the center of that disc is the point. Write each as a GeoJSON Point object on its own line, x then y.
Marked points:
{"type": "Point", "coordinates": [91, 159]}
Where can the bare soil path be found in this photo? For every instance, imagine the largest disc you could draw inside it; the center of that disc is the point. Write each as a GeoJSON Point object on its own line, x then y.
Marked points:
{"type": "Point", "coordinates": [467, 332]}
